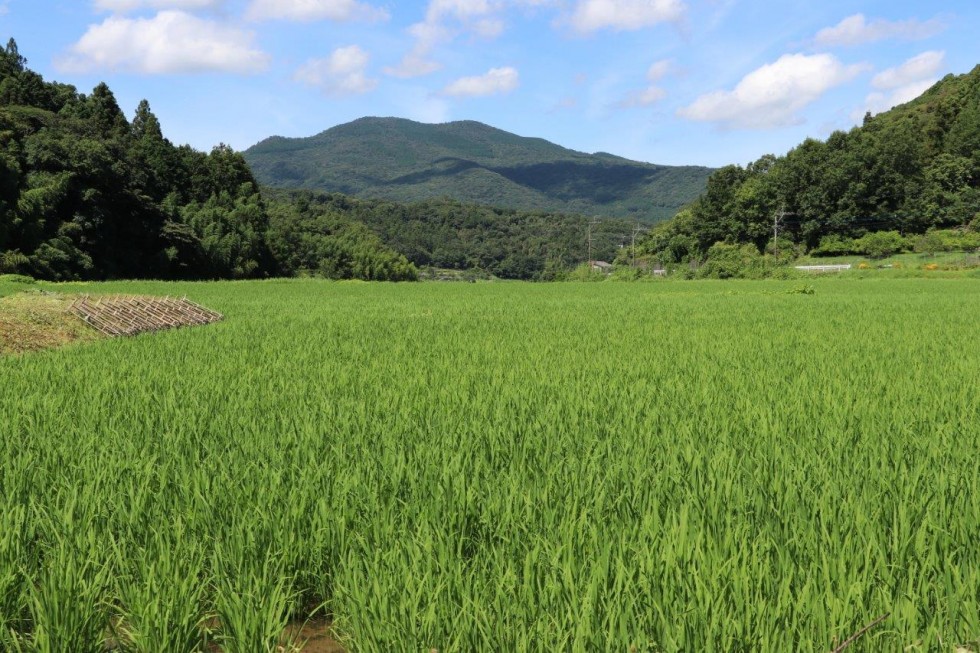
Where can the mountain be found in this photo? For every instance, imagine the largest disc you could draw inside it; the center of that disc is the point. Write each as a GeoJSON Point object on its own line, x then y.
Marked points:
{"type": "Point", "coordinates": [402, 160]}
{"type": "Point", "coordinates": [908, 171]}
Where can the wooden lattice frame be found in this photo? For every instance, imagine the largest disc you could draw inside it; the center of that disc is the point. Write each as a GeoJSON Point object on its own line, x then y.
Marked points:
{"type": "Point", "coordinates": [128, 315]}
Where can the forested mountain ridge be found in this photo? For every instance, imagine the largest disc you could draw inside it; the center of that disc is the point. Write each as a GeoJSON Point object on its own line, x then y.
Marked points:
{"type": "Point", "coordinates": [87, 194]}
{"type": "Point", "coordinates": [445, 233]}
{"type": "Point", "coordinates": [402, 160]}
{"type": "Point", "coordinates": [907, 171]}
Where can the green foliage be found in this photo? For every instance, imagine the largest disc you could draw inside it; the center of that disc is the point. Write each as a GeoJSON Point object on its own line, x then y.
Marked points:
{"type": "Point", "coordinates": [443, 233]}
{"type": "Point", "coordinates": [730, 261]}
{"type": "Point", "coordinates": [484, 467]}
{"type": "Point", "coordinates": [162, 591]}
{"type": "Point", "coordinates": [881, 244]}
{"type": "Point", "coordinates": [84, 194]}
{"type": "Point", "coordinates": [87, 195]}
{"type": "Point", "coordinates": [906, 171]}
{"type": "Point", "coordinates": [406, 161]}
{"type": "Point", "coordinates": [309, 234]}
{"type": "Point", "coordinates": [956, 240]}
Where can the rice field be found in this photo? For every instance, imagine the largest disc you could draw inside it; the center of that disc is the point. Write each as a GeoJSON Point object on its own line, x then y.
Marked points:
{"type": "Point", "coordinates": [662, 467]}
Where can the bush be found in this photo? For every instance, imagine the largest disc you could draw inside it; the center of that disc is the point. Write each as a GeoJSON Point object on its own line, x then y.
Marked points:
{"type": "Point", "coordinates": [728, 261]}
{"type": "Point", "coordinates": [947, 240]}
{"type": "Point", "coordinates": [584, 272]}
{"type": "Point", "coordinates": [628, 274]}
{"type": "Point", "coordinates": [835, 245]}
{"type": "Point", "coordinates": [881, 244]}
{"type": "Point", "coordinates": [16, 278]}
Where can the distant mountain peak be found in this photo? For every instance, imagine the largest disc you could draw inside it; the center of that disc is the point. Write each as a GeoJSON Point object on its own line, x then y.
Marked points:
{"type": "Point", "coordinates": [405, 160]}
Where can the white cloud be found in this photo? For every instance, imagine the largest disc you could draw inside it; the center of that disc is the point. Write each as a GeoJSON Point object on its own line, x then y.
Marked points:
{"type": "Point", "coordinates": [857, 30]}
{"type": "Point", "coordinates": [413, 64]}
{"type": "Point", "coordinates": [877, 103]}
{"type": "Point", "coordinates": [344, 72]}
{"type": "Point", "coordinates": [170, 42]}
{"type": "Point", "coordinates": [444, 21]}
{"type": "Point", "coordinates": [123, 6]}
{"type": "Point", "coordinates": [496, 81]}
{"type": "Point", "coordinates": [916, 69]}
{"type": "Point", "coordinates": [659, 69]}
{"type": "Point", "coordinates": [647, 97]}
{"type": "Point", "coordinates": [773, 95]}
{"type": "Point", "coordinates": [314, 10]}
{"type": "Point", "coordinates": [622, 15]}
{"type": "Point", "coordinates": [476, 15]}
{"type": "Point", "coordinates": [652, 94]}
{"type": "Point", "coordinates": [903, 83]}
{"type": "Point", "coordinates": [460, 9]}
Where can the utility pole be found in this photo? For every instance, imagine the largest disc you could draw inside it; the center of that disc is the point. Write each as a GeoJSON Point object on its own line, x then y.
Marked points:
{"type": "Point", "coordinates": [592, 223]}
{"type": "Point", "coordinates": [777, 222]}
{"type": "Point", "coordinates": [637, 230]}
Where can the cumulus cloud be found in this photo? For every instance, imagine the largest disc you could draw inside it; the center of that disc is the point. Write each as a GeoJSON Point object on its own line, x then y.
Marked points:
{"type": "Point", "coordinates": [916, 69]}
{"type": "Point", "coordinates": [858, 30]}
{"type": "Point", "coordinates": [903, 83]}
{"type": "Point", "coordinates": [495, 82]}
{"type": "Point", "coordinates": [123, 6]}
{"type": "Point", "coordinates": [773, 95]}
{"type": "Point", "coordinates": [652, 94]}
{"type": "Point", "coordinates": [170, 42]}
{"type": "Point", "coordinates": [314, 10]}
{"type": "Point", "coordinates": [624, 15]}
{"type": "Point", "coordinates": [877, 103]}
{"type": "Point", "coordinates": [344, 72]}
{"type": "Point", "coordinates": [444, 20]}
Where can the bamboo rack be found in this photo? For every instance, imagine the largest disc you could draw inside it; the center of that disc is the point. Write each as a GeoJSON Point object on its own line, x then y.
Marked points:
{"type": "Point", "coordinates": [128, 315]}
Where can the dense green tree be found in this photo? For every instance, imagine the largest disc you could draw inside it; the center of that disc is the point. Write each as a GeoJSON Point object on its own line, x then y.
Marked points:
{"type": "Point", "coordinates": [906, 171]}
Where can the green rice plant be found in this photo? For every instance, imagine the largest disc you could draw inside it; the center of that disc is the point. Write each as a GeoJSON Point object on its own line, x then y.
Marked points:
{"type": "Point", "coordinates": [67, 604]}
{"type": "Point", "coordinates": [13, 599]}
{"type": "Point", "coordinates": [253, 601]}
{"type": "Point", "coordinates": [162, 590]}
{"type": "Point", "coordinates": [657, 467]}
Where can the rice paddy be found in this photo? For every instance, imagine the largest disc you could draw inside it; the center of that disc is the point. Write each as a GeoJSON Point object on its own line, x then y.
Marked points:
{"type": "Point", "coordinates": [662, 467]}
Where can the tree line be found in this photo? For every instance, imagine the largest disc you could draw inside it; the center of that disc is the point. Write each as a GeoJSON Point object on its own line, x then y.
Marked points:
{"type": "Point", "coordinates": [914, 170]}
{"type": "Point", "coordinates": [87, 194]}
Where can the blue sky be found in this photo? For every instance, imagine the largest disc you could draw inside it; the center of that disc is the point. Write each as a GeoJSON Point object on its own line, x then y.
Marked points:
{"type": "Point", "coordinates": [704, 82]}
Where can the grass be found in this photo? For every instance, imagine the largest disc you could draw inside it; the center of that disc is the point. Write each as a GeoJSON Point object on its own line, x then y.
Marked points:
{"type": "Point", "coordinates": [908, 260]}
{"type": "Point", "coordinates": [574, 467]}
{"type": "Point", "coordinates": [33, 320]}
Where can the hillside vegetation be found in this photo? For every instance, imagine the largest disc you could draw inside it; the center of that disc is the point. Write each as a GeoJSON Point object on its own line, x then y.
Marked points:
{"type": "Point", "coordinates": [87, 194]}
{"type": "Point", "coordinates": [445, 233]}
{"type": "Point", "coordinates": [908, 172]}
{"type": "Point", "coordinates": [406, 161]}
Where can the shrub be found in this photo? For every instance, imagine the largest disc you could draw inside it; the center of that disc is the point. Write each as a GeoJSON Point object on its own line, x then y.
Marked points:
{"type": "Point", "coordinates": [881, 244]}
{"type": "Point", "coordinates": [16, 278]}
{"type": "Point", "coordinates": [835, 245]}
{"type": "Point", "coordinates": [728, 261]}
